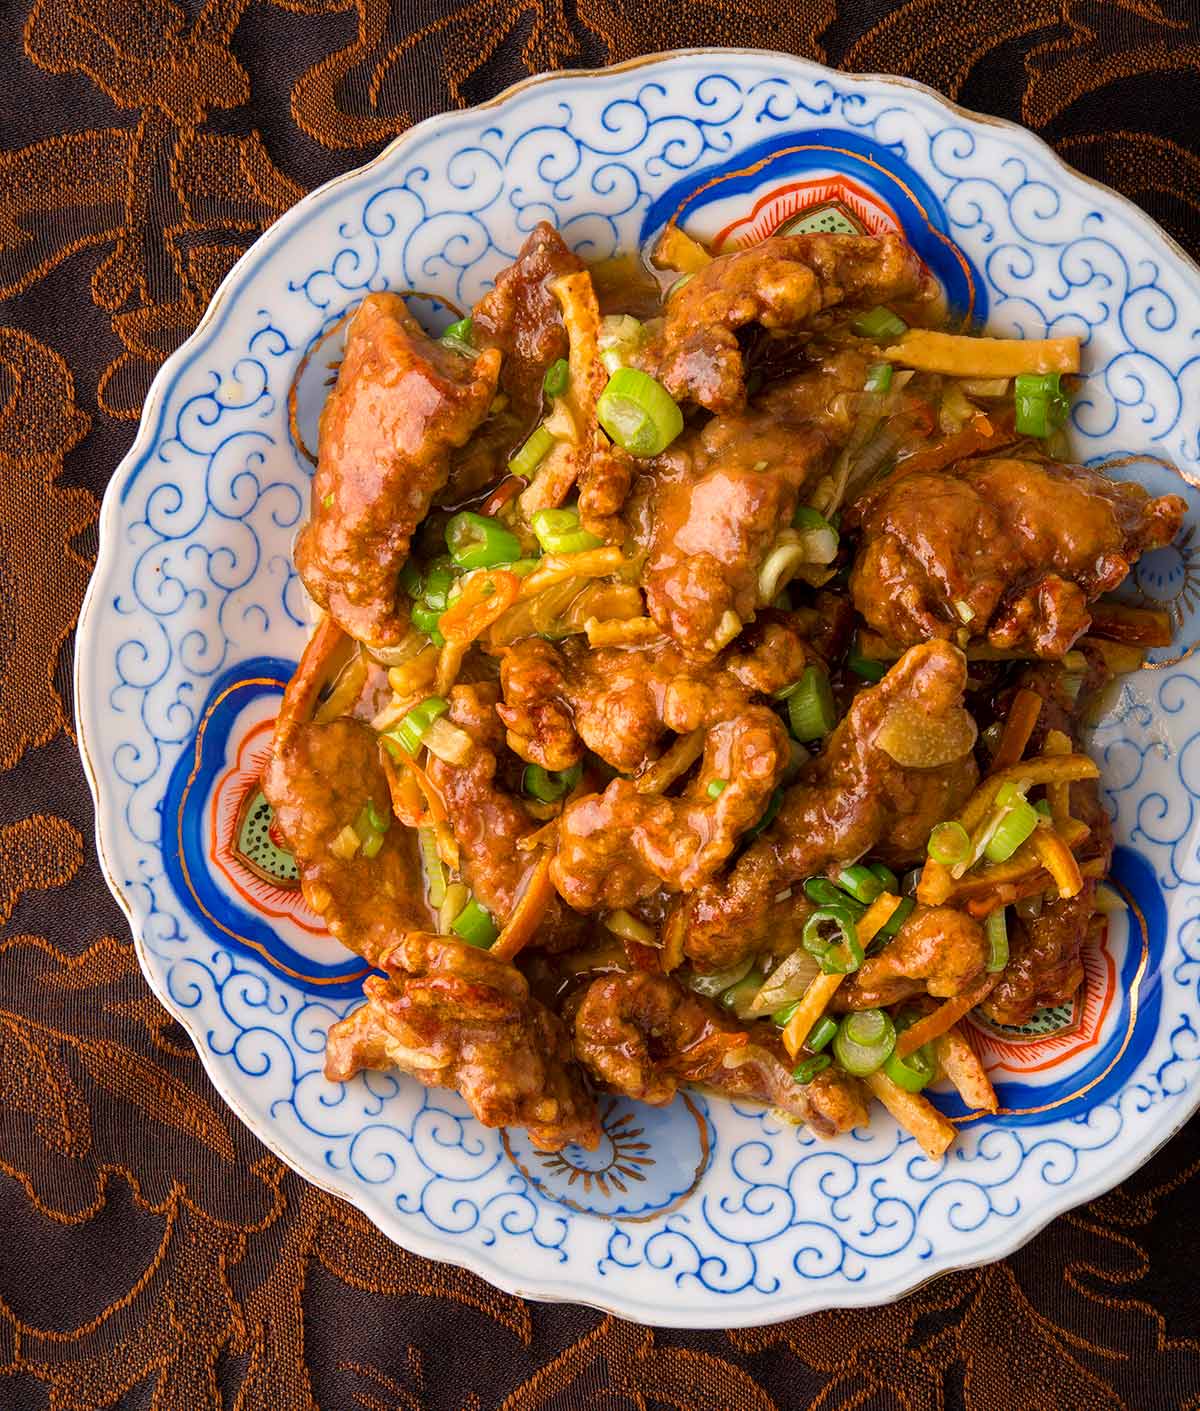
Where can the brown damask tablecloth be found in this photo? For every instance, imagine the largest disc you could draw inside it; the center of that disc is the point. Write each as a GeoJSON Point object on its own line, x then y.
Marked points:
{"type": "Point", "coordinates": [154, 1254]}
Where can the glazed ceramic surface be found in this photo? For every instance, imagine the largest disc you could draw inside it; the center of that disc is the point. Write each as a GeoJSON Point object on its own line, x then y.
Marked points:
{"type": "Point", "coordinates": [703, 1213]}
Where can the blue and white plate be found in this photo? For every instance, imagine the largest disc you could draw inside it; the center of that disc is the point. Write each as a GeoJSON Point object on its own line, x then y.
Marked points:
{"type": "Point", "coordinates": [702, 1214]}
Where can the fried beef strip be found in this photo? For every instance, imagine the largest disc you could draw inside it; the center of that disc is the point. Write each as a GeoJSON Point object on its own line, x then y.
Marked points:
{"type": "Point", "coordinates": [617, 847]}
{"type": "Point", "coordinates": [521, 317]}
{"type": "Point", "coordinates": [1044, 965]}
{"type": "Point", "coordinates": [717, 499]}
{"type": "Point", "coordinates": [488, 821]}
{"type": "Point", "coordinates": [938, 951]}
{"type": "Point", "coordinates": [782, 284]}
{"type": "Point", "coordinates": [402, 403]}
{"type": "Point", "coordinates": [318, 779]}
{"type": "Point", "coordinates": [1008, 550]}
{"type": "Point", "coordinates": [454, 1016]}
{"type": "Point", "coordinates": [642, 1035]}
{"type": "Point", "coordinates": [852, 798]}
{"type": "Point", "coordinates": [621, 702]}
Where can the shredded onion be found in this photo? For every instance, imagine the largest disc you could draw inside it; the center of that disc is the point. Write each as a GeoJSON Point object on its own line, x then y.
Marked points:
{"type": "Point", "coordinates": [781, 564]}
{"type": "Point", "coordinates": [450, 743]}
{"type": "Point", "coordinates": [710, 986]}
{"type": "Point", "coordinates": [409, 646]}
{"type": "Point", "coordinates": [631, 928]}
{"type": "Point", "coordinates": [787, 982]}
{"type": "Point", "coordinates": [915, 740]}
{"type": "Point", "coordinates": [453, 902]}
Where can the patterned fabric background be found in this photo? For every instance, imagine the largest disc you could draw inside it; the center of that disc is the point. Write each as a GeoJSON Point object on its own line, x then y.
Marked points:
{"type": "Point", "coordinates": [154, 1255]}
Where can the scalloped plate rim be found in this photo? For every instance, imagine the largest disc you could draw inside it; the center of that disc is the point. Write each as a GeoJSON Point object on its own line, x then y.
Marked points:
{"type": "Point", "coordinates": [812, 1297]}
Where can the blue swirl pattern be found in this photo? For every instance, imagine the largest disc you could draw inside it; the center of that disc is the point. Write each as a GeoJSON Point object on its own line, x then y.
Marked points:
{"type": "Point", "coordinates": [195, 578]}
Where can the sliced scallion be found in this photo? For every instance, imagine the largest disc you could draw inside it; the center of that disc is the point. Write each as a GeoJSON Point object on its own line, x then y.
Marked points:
{"type": "Point", "coordinates": [478, 541]}
{"type": "Point", "coordinates": [831, 936]}
{"type": "Point", "coordinates": [557, 378]}
{"type": "Point", "coordinates": [912, 1073]}
{"type": "Point", "coordinates": [1041, 404]}
{"type": "Point", "coordinates": [996, 929]}
{"type": "Point", "coordinates": [474, 925]}
{"type": "Point", "coordinates": [821, 1033]}
{"type": "Point", "coordinates": [822, 892]}
{"type": "Point", "coordinates": [861, 883]}
{"type": "Point", "coordinates": [893, 923]}
{"type": "Point", "coordinates": [413, 727]}
{"type": "Point", "coordinates": [866, 668]}
{"type": "Point", "coordinates": [638, 412]}
{"type": "Point", "coordinates": [805, 1072]}
{"type": "Point", "coordinates": [810, 706]}
{"type": "Point", "coordinates": [458, 336]}
{"type": "Point", "coordinates": [1013, 829]}
{"type": "Point", "coordinates": [887, 878]}
{"type": "Point", "coordinates": [879, 323]}
{"type": "Point", "coordinates": [864, 1041]}
{"type": "Point", "coordinates": [439, 581]}
{"type": "Point", "coordinates": [548, 785]}
{"type": "Point", "coordinates": [716, 788]}
{"type": "Point", "coordinates": [558, 531]}
{"type": "Point", "coordinates": [879, 378]}
{"type": "Point", "coordinates": [526, 460]}
{"type": "Point", "coordinates": [426, 620]}
{"type": "Point", "coordinates": [410, 579]}
{"type": "Point", "coordinates": [949, 844]}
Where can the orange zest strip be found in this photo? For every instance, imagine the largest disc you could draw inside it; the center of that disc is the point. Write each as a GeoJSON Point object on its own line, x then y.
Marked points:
{"type": "Point", "coordinates": [1026, 772]}
{"type": "Point", "coordinates": [945, 1016]}
{"type": "Point", "coordinates": [621, 632]}
{"type": "Point", "coordinates": [981, 435]}
{"type": "Point", "coordinates": [1058, 860]}
{"type": "Point", "coordinates": [484, 598]}
{"type": "Point", "coordinates": [1018, 727]}
{"type": "Point", "coordinates": [527, 915]}
{"type": "Point", "coordinates": [447, 844]}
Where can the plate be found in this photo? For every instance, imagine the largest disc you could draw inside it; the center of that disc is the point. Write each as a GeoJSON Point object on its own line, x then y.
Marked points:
{"type": "Point", "coordinates": [702, 1214]}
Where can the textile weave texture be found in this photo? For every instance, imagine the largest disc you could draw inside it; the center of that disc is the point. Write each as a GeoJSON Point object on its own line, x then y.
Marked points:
{"type": "Point", "coordinates": [155, 1255]}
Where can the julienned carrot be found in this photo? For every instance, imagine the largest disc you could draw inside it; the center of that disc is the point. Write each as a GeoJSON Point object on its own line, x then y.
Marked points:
{"type": "Point", "coordinates": [813, 1002]}
{"type": "Point", "coordinates": [485, 597]}
{"type": "Point", "coordinates": [527, 915]}
{"type": "Point", "coordinates": [1018, 727]}
{"type": "Point", "coordinates": [876, 917]}
{"type": "Point", "coordinates": [982, 434]}
{"type": "Point", "coordinates": [934, 1025]}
